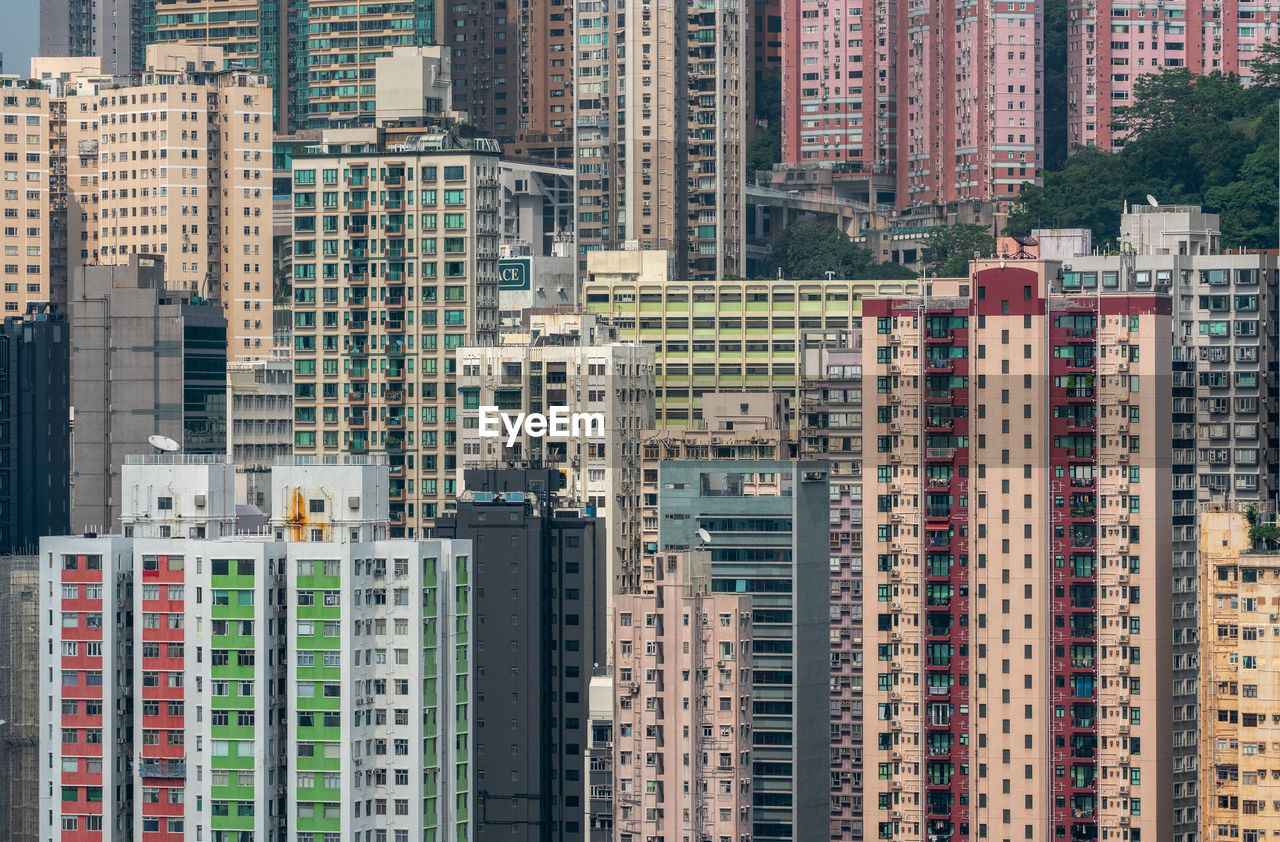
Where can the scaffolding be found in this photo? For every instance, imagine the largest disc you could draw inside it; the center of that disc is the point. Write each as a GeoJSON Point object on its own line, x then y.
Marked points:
{"type": "Point", "coordinates": [19, 708]}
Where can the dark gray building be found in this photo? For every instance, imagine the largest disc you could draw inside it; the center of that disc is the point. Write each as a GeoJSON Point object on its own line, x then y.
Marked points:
{"type": "Point", "coordinates": [35, 430]}
{"type": "Point", "coordinates": [116, 30]}
{"type": "Point", "coordinates": [539, 614]}
{"type": "Point", "coordinates": [769, 530]}
{"type": "Point", "coordinates": [145, 360]}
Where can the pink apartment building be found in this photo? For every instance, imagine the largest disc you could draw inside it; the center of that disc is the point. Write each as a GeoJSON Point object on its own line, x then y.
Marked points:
{"type": "Point", "coordinates": [1110, 44]}
{"type": "Point", "coordinates": [682, 708]}
{"type": "Point", "coordinates": [947, 98]}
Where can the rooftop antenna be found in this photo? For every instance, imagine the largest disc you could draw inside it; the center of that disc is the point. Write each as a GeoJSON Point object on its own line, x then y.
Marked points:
{"type": "Point", "coordinates": [163, 444]}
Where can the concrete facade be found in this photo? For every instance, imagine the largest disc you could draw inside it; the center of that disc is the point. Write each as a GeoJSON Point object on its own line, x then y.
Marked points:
{"type": "Point", "coordinates": [380, 311]}
{"type": "Point", "coordinates": [279, 748]}
{"type": "Point", "coordinates": [726, 336]}
{"type": "Point", "coordinates": [767, 520]}
{"type": "Point", "coordinates": [144, 361]}
{"type": "Point", "coordinates": [1237, 718]}
{"type": "Point", "coordinates": [260, 424]}
{"type": "Point", "coordinates": [947, 99]}
{"type": "Point", "coordinates": [1021, 641]}
{"type": "Point", "coordinates": [683, 769]}
{"type": "Point", "coordinates": [663, 96]}
{"type": "Point", "coordinates": [601, 471]}
{"type": "Point", "coordinates": [539, 631]}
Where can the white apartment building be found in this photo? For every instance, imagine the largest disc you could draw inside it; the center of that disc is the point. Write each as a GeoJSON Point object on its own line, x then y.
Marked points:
{"type": "Point", "coordinates": [163, 674]}
{"type": "Point", "coordinates": [571, 362]}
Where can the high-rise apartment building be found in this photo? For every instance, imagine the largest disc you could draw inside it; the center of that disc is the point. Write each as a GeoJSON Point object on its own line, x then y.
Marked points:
{"type": "Point", "coordinates": [948, 98]}
{"type": "Point", "coordinates": [319, 56]}
{"type": "Point", "coordinates": [72, 84]}
{"type": "Point", "coordinates": [116, 30]}
{"type": "Point", "coordinates": [395, 266]}
{"type": "Point", "coordinates": [723, 335]}
{"type": "Point", "coordinates": [35, 430]}
{"type": "Point", "coordinates": [145, 361]}
{"type": "Point", "coordinates": [1018, 665]}
{"type": "Point", "coordinates": [682, 660]}
{"type": "Point", "coordinates": [586, 374]}
{"type": "Point", "coordinates": [202, 728]}
{"type": "Point", "coordinates": [185, 159]}
{"type": "Point", "coordinates": [662, 102]}
{"type": "Point", "coordinates": [28, 215]}
{"type": "Point", "coordinates": [513, 73]}
{"type": "Point", "coordinates": [830, 428]}
{"type": "Point", "coordinates": [1224, 410]}
{"type": "Point", "coordinates": [766, 519]}
{"type": "Point", "coordinates": [539, 606]}
{"type": "Point", "coordinates": [259, 424]}
{"type": "Point", "coordinates": [254, 35]}
{"type": "Point", "coordinates": [1110, 46]}
{"type": "Point", "coordinates": [1238, 726]}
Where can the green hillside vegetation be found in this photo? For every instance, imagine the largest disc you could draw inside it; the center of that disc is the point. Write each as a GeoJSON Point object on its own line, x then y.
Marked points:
{"type": "Point", "coordinates": [1203, 140]}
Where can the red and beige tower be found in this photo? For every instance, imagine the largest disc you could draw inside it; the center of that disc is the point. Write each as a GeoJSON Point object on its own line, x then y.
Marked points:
{"type": "Point", "coordinates": [1016, 628]}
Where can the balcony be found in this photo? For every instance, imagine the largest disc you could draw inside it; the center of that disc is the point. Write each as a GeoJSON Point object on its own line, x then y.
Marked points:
{"type": "Point", "coordinates": [394, 398]}
{"type": "Point", "coordinates": [162, 769]}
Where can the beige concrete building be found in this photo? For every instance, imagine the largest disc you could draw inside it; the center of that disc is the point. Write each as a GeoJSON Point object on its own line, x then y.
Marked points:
{"type": "Point", "coordinates": [682, 757]}
{"type": "Point", "coordinates": [185, 160]}
{"type": "Point", "coordinates": [1240, 674]}
{"type": "Point", "coordinates": [1017, 620]}
{"type": "Point", "coordinates": [395, 267]}
{"type": "Point", "coordinates": [726, 335]}
{"type": "Point", "coordinates": [585, 373]}
{"type": "Point", "coordinates": [73, 85]}
{"type": "Point", "coordinates": [661, 132]}
{"type": "Point", "coordinates": [26, 204]}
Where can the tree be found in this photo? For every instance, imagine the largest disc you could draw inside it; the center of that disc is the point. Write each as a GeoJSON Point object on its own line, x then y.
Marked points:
{"type": "Point", "coordinates": [811, 249]}
{"type": "Point", "coordinates": [1189, 139]}
{"type": "Point", "coordinates": [947, 251]}
{"type": "Point", "coordinates": [766, 149]}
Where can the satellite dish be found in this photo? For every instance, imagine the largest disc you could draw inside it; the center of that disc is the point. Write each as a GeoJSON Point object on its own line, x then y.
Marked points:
{"type": "Point", "coordinates": [705, 536]}
{"type": "Point", "coordinates": [1151, 200]}
{"type": "Point", "coordinates": [1025, 241]}
{"type": "Point", "coordinates": [163, 443]}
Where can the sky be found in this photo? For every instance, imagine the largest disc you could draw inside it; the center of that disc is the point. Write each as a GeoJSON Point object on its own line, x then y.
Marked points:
{"type": "Point", "coordinates": [20, 34]}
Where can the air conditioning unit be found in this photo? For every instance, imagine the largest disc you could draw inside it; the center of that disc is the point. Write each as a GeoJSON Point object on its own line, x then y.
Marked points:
{"type": "Point", "coordinates": [895, 785]}
{"type": "Point", "coordinates": [1123, 608]}
{"type": "Point", "coordinates": [895, 338]}
{"type": "Point", "coordinates": [896, 755]}
{"type": "Point", "coordinates": [1123, 517]}
{"type": "Point", "coordinates": [894, 426]}
{"type": "Point", "coordinates": [1124, 669]}
{"type": "Point", "coordinates": [895, 486]}
{"type": "Point", "coordinates": [896, 517]}
{"type": "Point", "coordinates": [1124, 788]}
{"type": "Point", "coordinates": [896, 695]}
{"type": "Point", "coordinates": [895, 635]}
{"type": "Point", "coordinates": [895, 606]}
{"type": "Point", "coordinates": [895, 368]}
{"type": "Point", "coordinates": [895, 666]}
{"type": "Point", "coordinates": [1123, 729]}
{"type": "Point", "coordinates": [1123, 487]}
{"type": "Point", "coordinates": [1124, 760]}
{"type": "Point", "coordinates": [1124, 637]}
{"type": "Point", "coordinates": [897, 814]}
{"type": "Point", "coordinates": [896, 547]}
{"type": "Point", "coordinates": [895, 724]}
{"type": "Point", "coordinates": [353, 503]}
{"type": "Point", "coordinates": [200, 501]}
{"type": "Point", "coordinates": [1124, 577]}
{"type": "Point", "coordinates": [1122, 699]}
